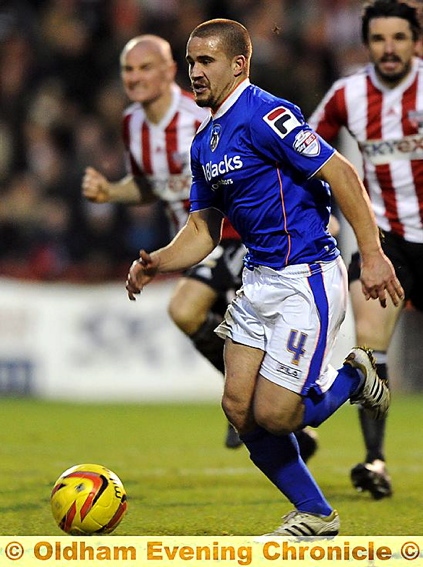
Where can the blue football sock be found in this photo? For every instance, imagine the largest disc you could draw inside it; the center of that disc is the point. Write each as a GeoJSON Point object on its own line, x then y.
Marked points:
{"type": "Point", "coordinates": [279, 459]}
{"type": "Point", "coordinates": [318, 407]}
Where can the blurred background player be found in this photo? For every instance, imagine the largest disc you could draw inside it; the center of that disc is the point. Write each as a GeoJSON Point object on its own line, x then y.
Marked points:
{"type": "Point", "coordinates": [381, 106]}
{"type": "Point", "coordinates": [157, 132]}
{"type": "Point", "coordinates": [158, 129]}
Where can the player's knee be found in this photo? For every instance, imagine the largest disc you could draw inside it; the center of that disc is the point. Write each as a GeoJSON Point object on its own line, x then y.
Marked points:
{"type": "Point", "coordinates": [235, 413]}
{"type": "Point", "coordinates": [275, 422]}
{"type": "Point", "coordinates": [229, 408]}
{"type": "Point", "coordinates": [178, 316]}
{"type": "Point", "coordinates": [184, 317]}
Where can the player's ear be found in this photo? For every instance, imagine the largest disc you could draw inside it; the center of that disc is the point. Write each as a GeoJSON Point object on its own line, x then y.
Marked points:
{"type": "Point", "coordinates": [172, 69]}
{"type": "Point", "coordinates": [239, 65]}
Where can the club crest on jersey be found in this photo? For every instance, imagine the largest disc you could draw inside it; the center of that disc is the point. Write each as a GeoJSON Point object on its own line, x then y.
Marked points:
{"type": "Point", "coordinates": [215, 136]}
{"type": "Point", "coordinates": [282, 121]}
{"type": "Point", "coordinates": [307, 143]}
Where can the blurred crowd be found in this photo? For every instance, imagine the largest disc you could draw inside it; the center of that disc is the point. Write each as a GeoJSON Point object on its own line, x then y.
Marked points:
{"type": "Point", "coordinates": [61, 104]}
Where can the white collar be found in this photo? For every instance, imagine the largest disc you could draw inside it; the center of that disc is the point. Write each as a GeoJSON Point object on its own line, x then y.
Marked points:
{"type": "Point", "coordinates": [231, 99]}
{"type": "Point", "coordinates": [402, 86]}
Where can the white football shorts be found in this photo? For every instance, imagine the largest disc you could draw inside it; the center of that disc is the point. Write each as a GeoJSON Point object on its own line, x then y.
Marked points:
{"type": "Point", "coordinates": [294, 316]}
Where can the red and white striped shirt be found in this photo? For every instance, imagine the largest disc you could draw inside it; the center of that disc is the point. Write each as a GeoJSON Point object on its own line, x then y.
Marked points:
{"type": "Point", "coordinates": [162, 151]}
{"type": "Point", "coordinates": [388, 126]}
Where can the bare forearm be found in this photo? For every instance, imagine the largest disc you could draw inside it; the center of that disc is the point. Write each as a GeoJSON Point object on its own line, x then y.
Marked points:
{"type": "Point", "coordinates": [131, 190]}
{"type": "Point", "coordinates": [354, 203]}
{"type": "Point", "coordinates": [377, 275]}
{"type": "Point", "coordinates": [191, 245]}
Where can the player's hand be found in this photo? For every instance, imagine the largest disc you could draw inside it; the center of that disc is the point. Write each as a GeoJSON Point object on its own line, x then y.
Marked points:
{"type": "Point", "coordinates": [141, 272]}
{"type": "Point", "coordinates": [95, 187]}
{"type": "Point", "coordinates": [378, 279]}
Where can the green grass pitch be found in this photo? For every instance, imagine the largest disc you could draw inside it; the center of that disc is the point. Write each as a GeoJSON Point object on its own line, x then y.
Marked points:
{"type": "Point", "coordinates": [179, 477]}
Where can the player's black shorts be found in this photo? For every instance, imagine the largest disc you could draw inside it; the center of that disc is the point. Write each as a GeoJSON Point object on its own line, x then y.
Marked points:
{"type": "Point", "coordinates": [407, 259]}
{"type": "Point", "coordinates": [222, 269]}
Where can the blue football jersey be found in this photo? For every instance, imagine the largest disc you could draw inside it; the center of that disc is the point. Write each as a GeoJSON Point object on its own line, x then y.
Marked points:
{"type": "Point", "coordinates": [254, 160]}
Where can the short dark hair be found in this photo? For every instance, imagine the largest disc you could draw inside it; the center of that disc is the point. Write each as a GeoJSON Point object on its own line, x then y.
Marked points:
{"type": "Point", "coordinates": [234, 36]}
{"type": "Point", "coordinates": [389, 9]}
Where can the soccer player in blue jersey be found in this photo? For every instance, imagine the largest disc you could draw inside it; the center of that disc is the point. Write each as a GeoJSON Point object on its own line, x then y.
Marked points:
{"type": "Point", "coordinates": [256, 161]}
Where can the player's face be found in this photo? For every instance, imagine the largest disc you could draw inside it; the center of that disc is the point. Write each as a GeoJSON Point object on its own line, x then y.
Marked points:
{"type": "Point", "coordinates": [210, 70]}
{"type": "Point", "coordinates": [391, 48]}
{"type": "Point", "coordinates": [146, 75]}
